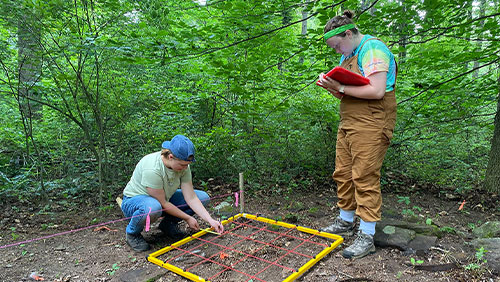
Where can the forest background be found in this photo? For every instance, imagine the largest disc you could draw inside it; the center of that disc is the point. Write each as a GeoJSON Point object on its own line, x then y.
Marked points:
{"type": "Point", "coordinates": [87, 88]}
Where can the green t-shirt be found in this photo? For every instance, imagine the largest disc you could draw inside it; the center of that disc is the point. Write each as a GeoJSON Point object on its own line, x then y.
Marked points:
{"type": "Point", "coordinates": [151, 172]}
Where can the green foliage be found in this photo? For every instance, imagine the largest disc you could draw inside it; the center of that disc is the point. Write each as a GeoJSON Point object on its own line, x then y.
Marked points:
{"type": "Point", "coordinates": [408, 212]}
{"type": "Point", "coordinates": [479, 261]}
{"type": "Point", "coordinates": [314, 210]}
{"type": "Point", "coordinates": [447, 229]}
{"type": "Point", "coordinates": [237, 77]}
{"type": "Point", "coordinates": [416, 262]}
{"type": "Point", "coordinates": [404, 199]}
{"type": "Point", "coordinates": [13, 234]}
{"type": "Point", "coordinates": [292, 217]}
{"type": "Point", "coordinates": [113, 269]}
{"type": "Point", "coordinates": [107, 208]}
{"type": "Point", "coordinates": [399, 275]}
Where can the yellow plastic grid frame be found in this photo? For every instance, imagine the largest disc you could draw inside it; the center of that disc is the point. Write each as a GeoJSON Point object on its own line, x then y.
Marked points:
{"type": "Point", "coordinates": [337, 240]}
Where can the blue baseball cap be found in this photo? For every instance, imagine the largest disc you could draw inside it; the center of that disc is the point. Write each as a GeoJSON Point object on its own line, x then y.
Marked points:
{"type": "Point", "coordinates": [181, 147]}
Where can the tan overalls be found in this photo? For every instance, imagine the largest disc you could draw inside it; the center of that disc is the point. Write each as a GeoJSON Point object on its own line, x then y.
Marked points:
{"type": "Point", "coordinates": [364, 134]}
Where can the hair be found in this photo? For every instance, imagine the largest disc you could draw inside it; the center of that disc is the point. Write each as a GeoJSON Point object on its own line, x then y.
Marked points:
{"type": "Point", "coordinates": [166, 152]}
{"type": "Point", "coordinates": [345, 18]}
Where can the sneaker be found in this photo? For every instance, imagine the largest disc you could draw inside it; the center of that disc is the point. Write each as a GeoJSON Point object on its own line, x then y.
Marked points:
{"type": "Point", "coordinates": [340, 227]}
{"type": "Point", "coordinates": [172, 229]}
{"type": "Point", "coordinates": [137, 242]}
{"type": "Point", "coordinates": [362, 246]}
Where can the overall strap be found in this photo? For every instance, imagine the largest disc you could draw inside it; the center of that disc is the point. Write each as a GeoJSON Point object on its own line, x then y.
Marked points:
{"type": "Point", "coordinates": [373, 38]}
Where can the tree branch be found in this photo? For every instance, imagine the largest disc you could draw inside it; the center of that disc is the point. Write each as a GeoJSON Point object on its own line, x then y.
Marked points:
{"type": "Point", "coordinates": [448, 80]}
{"type": "Point", "coordinates": [443, 30]}
{"type": "Point", "coordinates": [213, 50]}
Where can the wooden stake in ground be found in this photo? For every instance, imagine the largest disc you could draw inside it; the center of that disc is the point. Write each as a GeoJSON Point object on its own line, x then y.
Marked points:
{"type": "Point", "coordinates": [242, 198]}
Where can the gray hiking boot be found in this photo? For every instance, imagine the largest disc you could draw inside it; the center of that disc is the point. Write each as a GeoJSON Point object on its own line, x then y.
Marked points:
{"type": "Point", "coordinates": [340, 227]}
{"type": "Point", "coordinates": [172, 230]}
{"type": "Point", "coordinates": [362, 246]}
{"type": "Point", "coordinates": [137, 242]}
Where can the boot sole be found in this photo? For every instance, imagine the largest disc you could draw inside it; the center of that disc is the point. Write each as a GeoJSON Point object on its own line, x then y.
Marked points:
{"type": "Point", "coordinates": [349, 255]}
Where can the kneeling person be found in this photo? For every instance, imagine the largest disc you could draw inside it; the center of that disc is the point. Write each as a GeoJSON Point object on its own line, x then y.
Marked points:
{"type": "Point", "coordinates": [153, 187]}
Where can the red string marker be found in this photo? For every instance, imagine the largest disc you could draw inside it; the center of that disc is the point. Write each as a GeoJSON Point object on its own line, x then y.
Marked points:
{"type": "Point", "coordinates": [95, 226]}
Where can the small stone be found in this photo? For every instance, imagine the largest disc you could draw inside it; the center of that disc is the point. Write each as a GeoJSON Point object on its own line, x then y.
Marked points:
{"type": "Point", "coordinates": [322, 273]}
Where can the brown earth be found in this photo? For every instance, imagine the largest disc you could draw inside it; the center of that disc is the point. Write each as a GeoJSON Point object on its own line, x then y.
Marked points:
{"type": "Point", "coordinates": [102, 255]}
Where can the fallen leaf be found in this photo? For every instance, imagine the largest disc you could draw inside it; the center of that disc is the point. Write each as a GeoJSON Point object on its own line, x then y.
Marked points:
{"type": "Point", "coordinates": [104, 228]}
{"type": "Point", "coordinates": [223, 255]}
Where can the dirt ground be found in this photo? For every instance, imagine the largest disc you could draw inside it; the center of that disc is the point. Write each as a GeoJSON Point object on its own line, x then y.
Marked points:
{"type": "Point", "coordinates": [101, 254]}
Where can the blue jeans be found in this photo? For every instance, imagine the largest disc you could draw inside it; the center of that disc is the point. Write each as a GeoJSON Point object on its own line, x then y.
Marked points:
{"type": "Point", "coordinates": [138, 206]}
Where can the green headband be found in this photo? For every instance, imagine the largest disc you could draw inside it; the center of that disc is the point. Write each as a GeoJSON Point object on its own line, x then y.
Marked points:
{"type": "Point", "coordinates": [338, 30]}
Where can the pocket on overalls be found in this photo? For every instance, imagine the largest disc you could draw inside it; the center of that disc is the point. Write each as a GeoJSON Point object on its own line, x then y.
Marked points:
{"type": "Point", "coordinates": [377, 111]}
{"type": "Point", "coordinates": [387, 134]}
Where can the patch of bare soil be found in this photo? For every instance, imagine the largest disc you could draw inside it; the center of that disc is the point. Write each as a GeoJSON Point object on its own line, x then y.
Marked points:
{"type": "Point", "coordinates": [101, 253]}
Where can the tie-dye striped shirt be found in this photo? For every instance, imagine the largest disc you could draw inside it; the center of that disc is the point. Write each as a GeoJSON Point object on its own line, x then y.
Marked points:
{"type": "Point", "coordinates": [375, 57]}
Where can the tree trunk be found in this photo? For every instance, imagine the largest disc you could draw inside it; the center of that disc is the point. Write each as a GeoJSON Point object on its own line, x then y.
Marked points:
{"type": "Point", "coordinates": [403, 39]}
{"type": "Point", "coordinates": [304, 30]}
{"type": "Point", "coordinates": [287, 18]}
{"type": "Point", "coordinates": [482, 4]}
{"type": "Point", "coordinates": [30, 63]}
{"type": "Point", "coordinates": [492, 178]}
{"type": "Point", "coordinates": [30, 72]}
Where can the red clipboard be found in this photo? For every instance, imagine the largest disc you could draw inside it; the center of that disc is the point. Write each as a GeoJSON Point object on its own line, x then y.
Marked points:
{"type": "Point", "coordinates": [346, 77]}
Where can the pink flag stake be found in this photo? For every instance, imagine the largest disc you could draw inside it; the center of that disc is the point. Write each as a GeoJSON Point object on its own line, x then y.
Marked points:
{"type": "Point", "coordinates": [236, 196]}
{"type": "Point", "coordinates": [461, 206]}
{"type": "Point", "coordinates": [148, 220]}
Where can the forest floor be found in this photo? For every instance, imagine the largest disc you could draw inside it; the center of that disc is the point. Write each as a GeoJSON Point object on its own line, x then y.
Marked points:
{"type": "Point", "coordinates": [101, 254]}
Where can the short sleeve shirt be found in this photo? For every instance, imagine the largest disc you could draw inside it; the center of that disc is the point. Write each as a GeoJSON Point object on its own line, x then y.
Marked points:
{"type": "Point", "coordinates": [375, 57]}
{"type": "Point", "coordinates": [151, 172]}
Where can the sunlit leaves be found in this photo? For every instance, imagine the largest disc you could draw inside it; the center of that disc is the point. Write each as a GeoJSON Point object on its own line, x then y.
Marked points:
{"type": "Point", "coordinates": [238, 77]}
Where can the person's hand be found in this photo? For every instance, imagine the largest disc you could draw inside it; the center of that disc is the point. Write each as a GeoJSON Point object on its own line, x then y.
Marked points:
{"type": "Point", "coordinates": [218, 227]}
{"type": "Point", "coordinates": [320, 79]}
{"type": "Point", "coordinates": [330, 84]}
{"type": "Point", "coordinates": [193, 223]}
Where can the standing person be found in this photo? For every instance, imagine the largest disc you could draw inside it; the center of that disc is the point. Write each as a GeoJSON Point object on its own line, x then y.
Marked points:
{"type": "Point", "coordinates": [153, 187]}
{"type": "Point", "coordinates": [367, 120]}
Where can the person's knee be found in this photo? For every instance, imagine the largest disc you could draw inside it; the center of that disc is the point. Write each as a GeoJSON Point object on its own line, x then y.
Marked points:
{"type": "Point", "coordinates": [204, 197]}
{"type": "Point", "coordinates": [154, 209]}
{"type": "Point", "coordinates": [149, 205]}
